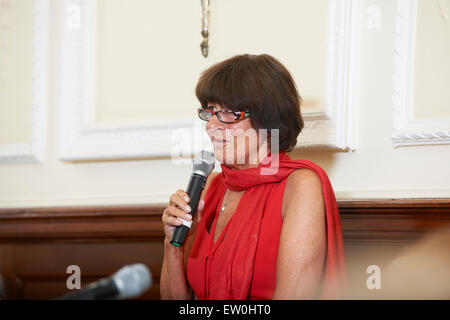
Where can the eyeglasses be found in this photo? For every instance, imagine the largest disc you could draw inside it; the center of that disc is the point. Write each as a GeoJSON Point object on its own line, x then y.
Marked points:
{"type": "Point", "coordinates": [224, 116]}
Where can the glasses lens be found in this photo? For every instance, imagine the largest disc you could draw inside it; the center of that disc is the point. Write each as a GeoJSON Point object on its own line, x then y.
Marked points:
{"type": "Point", "coordinates": [226, 116]}
{"type": "Point", "coordinates": [204, 114]}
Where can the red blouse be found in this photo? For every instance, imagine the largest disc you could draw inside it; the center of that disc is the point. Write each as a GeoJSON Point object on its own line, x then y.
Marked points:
{"type": "Point", "coordinates": [202, 257]}
{"type": "Point", "coordinates": [242, 263]}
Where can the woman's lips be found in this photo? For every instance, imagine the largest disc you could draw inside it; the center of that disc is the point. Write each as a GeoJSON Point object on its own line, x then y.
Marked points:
{"type": "Point", "coordinates": [219, 141]}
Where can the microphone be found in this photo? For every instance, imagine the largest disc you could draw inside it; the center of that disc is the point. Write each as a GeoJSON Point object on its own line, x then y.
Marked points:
{"type": "Point", "coordinates": [203, 166]}
{"type": "Point", "coordinates": [129, 282]}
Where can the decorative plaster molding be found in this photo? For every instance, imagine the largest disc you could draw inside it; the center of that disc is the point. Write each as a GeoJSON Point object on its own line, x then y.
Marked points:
{"type": "Point", "coordinates": [82, 139]}
{"type": "Point", "coordinates": [34, 151]}
{"type": "Point", "coordinates": [335, 127]}
{"type": "Point", "coordinates": [406, 130]}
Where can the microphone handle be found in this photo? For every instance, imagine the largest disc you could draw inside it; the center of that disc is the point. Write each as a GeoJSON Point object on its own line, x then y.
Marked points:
{"type": "Point", "coordinates": [103, 289]}
{"type": "Point", "coordinates": [194, 191]}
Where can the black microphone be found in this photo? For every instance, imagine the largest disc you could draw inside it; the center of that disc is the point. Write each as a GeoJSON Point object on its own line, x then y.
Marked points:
{"type": "Point", "coordinates": [129, 282]}
{"type": "Point", "coordinates": [203, 166]}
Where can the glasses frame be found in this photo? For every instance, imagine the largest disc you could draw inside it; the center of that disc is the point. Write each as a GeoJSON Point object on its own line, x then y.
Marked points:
{"type": "Point", "coordinates": [239, 115]}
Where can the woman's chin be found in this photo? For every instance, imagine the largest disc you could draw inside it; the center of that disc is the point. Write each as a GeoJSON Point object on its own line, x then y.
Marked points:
{"type": "Point", "coordinates": [221, 156]}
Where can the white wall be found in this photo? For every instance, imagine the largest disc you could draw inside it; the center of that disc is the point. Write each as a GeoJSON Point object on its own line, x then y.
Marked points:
{"type": "Point", "coordinates": [374, 170]}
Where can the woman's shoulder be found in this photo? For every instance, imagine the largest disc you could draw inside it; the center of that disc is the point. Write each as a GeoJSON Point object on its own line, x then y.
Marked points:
{"type": "Point", "coordinates": [302, 176]}
{"type": "Point", "coordinates": [303, 187]}
{"type": "Point", "coordinates": [303, 180]}
{"type": "Point", "coordinates": [306, 172]}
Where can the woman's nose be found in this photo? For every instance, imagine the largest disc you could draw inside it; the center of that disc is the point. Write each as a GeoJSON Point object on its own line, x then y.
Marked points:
{"type": "Point", "coordinates": [214, 123]}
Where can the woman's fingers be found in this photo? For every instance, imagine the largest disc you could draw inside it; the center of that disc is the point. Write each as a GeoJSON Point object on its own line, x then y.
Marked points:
{"type": "Point", "coordinates": [179, 199]}
{"type": "Point", "coordinates": [178, 208]}
{"type": "Point", "coordinates": [174, 211]}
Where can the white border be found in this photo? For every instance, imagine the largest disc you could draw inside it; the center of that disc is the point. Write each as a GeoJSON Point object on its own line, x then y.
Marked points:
{"type": "Point", "coordinates": [83, 140]}
{"type": "Point", "coordinates": [34, 151]}
{"type": "Point", "coordinates": [406, 130]}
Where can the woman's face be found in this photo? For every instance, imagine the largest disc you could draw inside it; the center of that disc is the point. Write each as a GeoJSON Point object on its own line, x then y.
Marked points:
{"type": "Point", "coordinates": [236, 144]}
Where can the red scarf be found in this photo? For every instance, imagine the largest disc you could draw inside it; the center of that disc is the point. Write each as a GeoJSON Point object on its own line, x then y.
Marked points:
{"type": "Point", "coordinates": [242, 236]}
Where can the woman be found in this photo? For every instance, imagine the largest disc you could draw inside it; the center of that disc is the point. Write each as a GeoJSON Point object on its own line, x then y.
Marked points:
{"type": "Point", "coordinates": [267, 227]}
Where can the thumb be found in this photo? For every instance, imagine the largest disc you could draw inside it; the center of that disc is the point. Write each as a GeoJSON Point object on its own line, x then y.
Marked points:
{"type": "Point", "coordinates": [201, 206]}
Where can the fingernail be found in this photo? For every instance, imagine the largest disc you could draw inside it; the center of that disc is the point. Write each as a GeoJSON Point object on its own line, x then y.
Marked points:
{"type": "Point", "coordinates": [186, 198]}
{"type": "Point", "coordinates": [187, 217]}
{"type": "Point", "coordinates": [188, 208]}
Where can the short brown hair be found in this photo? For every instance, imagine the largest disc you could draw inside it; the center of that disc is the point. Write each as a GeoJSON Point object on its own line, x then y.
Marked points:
{"type": "Point", "coordinates": [261, 84]}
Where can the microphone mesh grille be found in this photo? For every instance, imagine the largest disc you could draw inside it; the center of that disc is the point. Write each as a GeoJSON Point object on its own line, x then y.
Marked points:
{"type": "Point", "coordinates": [133, 280]}
{"type": "Point", "coordinates": [204, 163]}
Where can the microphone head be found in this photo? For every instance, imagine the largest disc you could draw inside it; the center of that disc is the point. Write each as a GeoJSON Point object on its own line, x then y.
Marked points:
{"type": "Point", "coordinates": [204, 163]}
{"type": "Point", "coordinates": [132, 280]}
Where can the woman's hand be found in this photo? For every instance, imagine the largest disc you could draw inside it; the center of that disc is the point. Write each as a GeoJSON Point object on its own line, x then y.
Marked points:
{"type": "Point", "coordinates": [173, 279]}
{"type": "Point", "coordinates": [179, 208]}
{"type": "Point", "coordinates": [173, 282]}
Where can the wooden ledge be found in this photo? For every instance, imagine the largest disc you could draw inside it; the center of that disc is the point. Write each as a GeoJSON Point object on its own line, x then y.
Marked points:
{"type": "Point", "coordinates": [363, 221]}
